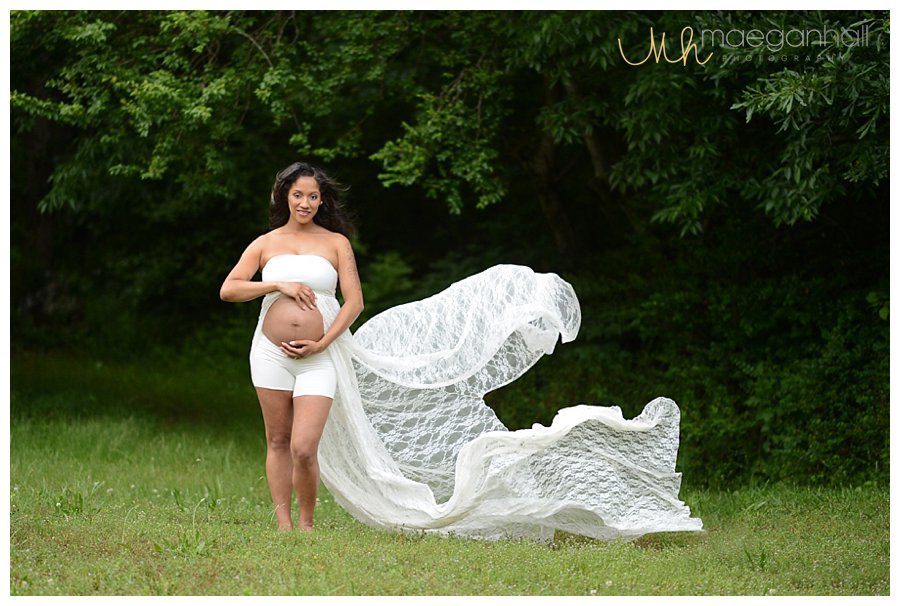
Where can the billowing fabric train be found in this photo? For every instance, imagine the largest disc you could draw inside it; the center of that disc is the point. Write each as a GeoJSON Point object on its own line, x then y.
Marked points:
{"type": "Point", "coordinates": [410, 444]}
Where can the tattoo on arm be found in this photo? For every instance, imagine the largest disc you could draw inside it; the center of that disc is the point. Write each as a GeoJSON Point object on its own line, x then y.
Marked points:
{"type": "Point", "coordinates": [351, 262]}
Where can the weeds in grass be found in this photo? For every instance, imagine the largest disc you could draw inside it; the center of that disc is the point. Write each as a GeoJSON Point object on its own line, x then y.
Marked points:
{"type": "Point", "coordinates": [104, 503]}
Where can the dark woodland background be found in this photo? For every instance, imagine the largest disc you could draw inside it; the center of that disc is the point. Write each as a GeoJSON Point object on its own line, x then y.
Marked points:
{"type": "Point", "coordinates": [725, 225]}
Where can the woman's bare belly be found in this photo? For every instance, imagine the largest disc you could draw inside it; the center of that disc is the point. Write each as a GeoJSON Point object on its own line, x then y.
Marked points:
{"type": "Point", "coordinates": [287, 321]}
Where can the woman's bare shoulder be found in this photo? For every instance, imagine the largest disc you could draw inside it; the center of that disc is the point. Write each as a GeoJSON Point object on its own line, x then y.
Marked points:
{"type": "Point", "coordinates": [340, 242]}
{"type": "Point", "coordinates": [261, 241]}
{"type": "Point", "coordinates": [339, 238]}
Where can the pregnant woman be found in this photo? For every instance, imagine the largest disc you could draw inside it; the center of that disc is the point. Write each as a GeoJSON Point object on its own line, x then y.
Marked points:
{"type": "Point", "coordinates": [295, 383]}
{"type": "Point", "coordinates": [392, 417]}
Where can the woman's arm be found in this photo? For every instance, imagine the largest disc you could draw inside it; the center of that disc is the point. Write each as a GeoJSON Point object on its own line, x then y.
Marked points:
{"type": "Point", "coordinates": [348, 278]}
{"type": "Point", "coordinates": [238, 286]}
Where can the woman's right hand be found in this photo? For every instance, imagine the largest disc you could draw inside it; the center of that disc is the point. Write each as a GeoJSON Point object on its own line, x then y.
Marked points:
{"type": "Point", "coordinates": [300, 292]}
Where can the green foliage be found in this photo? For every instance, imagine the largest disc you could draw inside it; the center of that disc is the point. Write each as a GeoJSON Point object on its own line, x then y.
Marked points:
{"type": "Point", "coordinates": [446, 137]}
{"type": "Point", "coordinates": [149, 84]}
{"type": "Point", "coordinates": [879, 301]}
{"type": "Point", "coordinates": [455, 140]}
{"type": "Point", "coordinates": [833, 116]}
{"type": "Point", "coordinates": [387, 282]}
{"type": "Point", "coordinates": [776, 351]}
{"type": "Point", "coordinates": [145, 144]}
{"type": "Point", "coordinates": [179, 119]}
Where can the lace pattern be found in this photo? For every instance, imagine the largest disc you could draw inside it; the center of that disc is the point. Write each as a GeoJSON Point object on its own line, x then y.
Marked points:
{"type": "Point", "coordinates": [410, 444]}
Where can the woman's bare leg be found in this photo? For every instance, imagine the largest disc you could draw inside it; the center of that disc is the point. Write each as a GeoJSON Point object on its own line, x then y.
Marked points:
{"type": "Point", "coordinates": [310, 414]}
{"type": "Point", "coordinates": [277, 409]}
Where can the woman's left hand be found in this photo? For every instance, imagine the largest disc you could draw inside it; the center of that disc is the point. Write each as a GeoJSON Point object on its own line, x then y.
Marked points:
{"type": "Point", "coordinates": [300, 348]}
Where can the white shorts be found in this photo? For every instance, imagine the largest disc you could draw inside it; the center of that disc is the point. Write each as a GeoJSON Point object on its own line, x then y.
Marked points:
{"type": "Point", "coordinates": [270, 367]}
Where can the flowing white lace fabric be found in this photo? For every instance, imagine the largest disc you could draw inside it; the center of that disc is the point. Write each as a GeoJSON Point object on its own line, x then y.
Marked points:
{"type": "Point", "coordinates": [410, 444]}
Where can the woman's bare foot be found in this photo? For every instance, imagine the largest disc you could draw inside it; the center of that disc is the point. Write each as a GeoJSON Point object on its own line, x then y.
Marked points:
{"type": "Point", "coordinates": [304, 528]}
{"type": "Point", "coordinates": [287, 526]}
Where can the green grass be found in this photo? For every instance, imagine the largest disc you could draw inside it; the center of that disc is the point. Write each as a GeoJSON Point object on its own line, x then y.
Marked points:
{"type": "Point", "coordinates": [130, 479]}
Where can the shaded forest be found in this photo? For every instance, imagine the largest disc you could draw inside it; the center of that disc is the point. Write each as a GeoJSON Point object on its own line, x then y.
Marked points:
{"type": "Point", "coordinates": [724, 224]}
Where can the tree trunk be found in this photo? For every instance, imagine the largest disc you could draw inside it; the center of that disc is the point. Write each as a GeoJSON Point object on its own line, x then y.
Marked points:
{"type": "Point", "coordinates": [564, 236]}
{"type": "Point", "coordinates": [601, 171]}
{"type": "Point", "coordinates": [557, 221]}
{"type": "Point", "coordinates": [37, 170]}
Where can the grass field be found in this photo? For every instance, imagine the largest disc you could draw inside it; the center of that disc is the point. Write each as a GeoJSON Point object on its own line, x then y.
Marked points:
{"type": "Point", "coordinates": [150, 480]}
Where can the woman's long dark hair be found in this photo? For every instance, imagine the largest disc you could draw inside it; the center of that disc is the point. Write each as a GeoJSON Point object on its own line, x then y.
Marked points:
{"type": "Point", "coordinates": [332, 213]}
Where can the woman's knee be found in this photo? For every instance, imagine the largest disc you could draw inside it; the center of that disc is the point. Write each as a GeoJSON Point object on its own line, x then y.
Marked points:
{"type": "Point", "coordinates": [303, 452]}
{"type": "Point", "coordinates": [279, 441]}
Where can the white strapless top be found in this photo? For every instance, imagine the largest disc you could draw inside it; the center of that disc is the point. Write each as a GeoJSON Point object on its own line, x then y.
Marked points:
{"type": "Point", "coordinates": [315, 271]}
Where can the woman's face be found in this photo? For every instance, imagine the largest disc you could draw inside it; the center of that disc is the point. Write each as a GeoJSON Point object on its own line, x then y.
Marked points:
{"type": "Point", "coordinates": [304, 199]}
